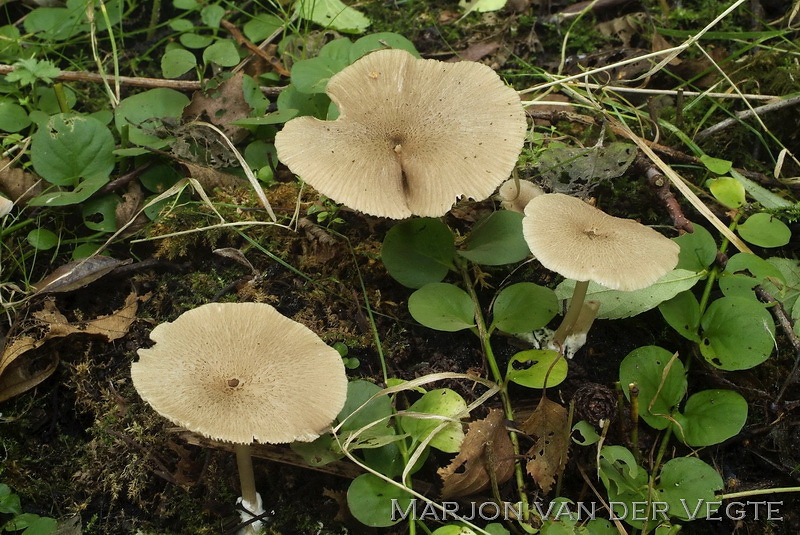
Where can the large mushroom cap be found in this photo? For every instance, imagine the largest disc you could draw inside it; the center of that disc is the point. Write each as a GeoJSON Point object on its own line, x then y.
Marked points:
{"type": "Point", "coordinates": [412, 135]}
{"type": "Point", "coordinates": [239, 372]}
{"type": "Point", "coordinates": [583, 243]}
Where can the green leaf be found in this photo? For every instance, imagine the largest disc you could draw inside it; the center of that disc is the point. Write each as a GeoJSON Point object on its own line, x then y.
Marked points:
{"type": "Point", "coordinates": [418, 251]}
{"type": "Point", "coordinates": [312, 75]}
{"type": "Point", "coordinates": [737, 333]}
{"type": "Point", "coordinates": [442, 402]}
{"type": "Point", "coordinates": [293, 100]}
{"type": "Point", "coordinates": [224, 53]}
{"type": "Point", "coordinates": [524, 307]}
{"type": "Point", "coordinates": [186, 4]}
{"type": "Point", "coordinates": [789, 291]}
{"type": "Point", "coordinates": [55, 23]}
{"type": "Point", "coordinates": [716, 165]}
{"type": "Point", "coordinates": [49, 104]}
{"type": "Point", "coordinates": [698, 250]}
{"type": "Point", "coordinates": [83, 191]}
{"type": "Point", "coordinates": [100, 213]}
{"type": "Point", "coordinates": [588, 434]}
{"type": "Point", "coordinates": [728, 191]}
{"type": "Point", "coordinates": [177, 62]}
{"type": "Point", "coordinates": [333, 14]}
{"type": "Point", "coordinates": [42, 239]}
{"type": "Point", "coordinates": [181, 25]}
{"type": "Point", "coordinates": [71, 147]}
{"type": "Point", "coordinates": [764, 230]}
{"type": "Point", "coordinates": [660, 391]}
{"type": "Point", "coordinates": [9, 502]}
{"type": "Point", "coordinates": [212, 14]}
{"type": "Point", "coordinates": [143, 113]}
{"type": "Point", "coordinates": [539, 363]}
{"type": "Point", "coordinates": [765, 197]}
{"type": "Point", "coordinates": [443, 307]}
{"type": "Point", "coordinates": [497, 240]}
{"type": "Point", "coordinates": [686, 483]}
{"type": "Point", "coordinates": [371, 501]}
{"type": "Point", "coordinates": [744, 271]}
{"type": "Point", "coordinates": [261, 26]}
{"type": "Point", "coordinates": [195, 40]}
{"type": "Point", "coordinates": [481, 6]}
{"type": "Point", "coordinates": [615, 304]}
{"type": "Point", "coordinates": [364, 410]}
{"type": "Point", "coordinates": [682, 312]}
{"type": "Point", "coordinates": [13, 117]}
{"type": "Point", "coordinates": [711, 417]}
{"type": "Point", "coordinates": [379, 41]}
{"type": "Point", "coordinates": [318, 452]}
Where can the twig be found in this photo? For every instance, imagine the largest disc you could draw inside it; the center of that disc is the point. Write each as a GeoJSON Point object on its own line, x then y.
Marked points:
{"type": "Point", "coordinates": [179, 85]}
{"type": "Point", "coordinates": [271, 60]}
{"type": "Point", "coordinates": [746, 114]}
{"type": "Point", "coordinates": [786, 325]}
{"type": "Point", "coordinates": [661, 186]}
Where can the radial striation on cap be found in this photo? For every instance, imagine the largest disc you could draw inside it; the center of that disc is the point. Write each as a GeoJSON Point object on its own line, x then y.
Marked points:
{"type": "Point", "coordinates": [239, 372]}
{"type": "Point", "coordinates": [412, 135]}
{"type": "Point", "coordinates": [583, 243]}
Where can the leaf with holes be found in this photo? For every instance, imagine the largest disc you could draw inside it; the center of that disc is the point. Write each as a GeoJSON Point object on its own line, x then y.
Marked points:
{"type": "Point", "coordinates": [737, 333]}
{"type": "Point", "coordinates": [548, 455]}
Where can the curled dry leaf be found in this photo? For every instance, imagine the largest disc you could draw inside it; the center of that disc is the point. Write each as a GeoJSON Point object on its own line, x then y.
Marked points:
{"type": "Point", "coordinates": [18, 374]}
{"type": "Point", "coordinates": [221, 106]}
{"type": "Point", "coordinates": [18, 185]}
{"type": "Point", "coordinates": [132, 201]}
{"type": "Point", "coordinates": [486, 450]}
{"type": "Point", "coordinates": [77, 274]}
{"type": "Point", "coordinates": [548, 455]}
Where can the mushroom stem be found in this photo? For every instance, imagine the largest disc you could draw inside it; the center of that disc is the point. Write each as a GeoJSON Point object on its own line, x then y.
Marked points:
{"type": "Point", "coordinates": [247, 479]}
{"type": "Point", "coordinates": [574, 310]}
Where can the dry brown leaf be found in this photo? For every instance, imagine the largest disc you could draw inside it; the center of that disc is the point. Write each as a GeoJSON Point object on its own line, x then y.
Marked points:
{"type": "Point", "coordinates": [486, 447]}
{"type": "Point", "coordinates": [221, 106]}
{"type": "Point", "coordinates": [211, 178]}
{"type": "Point", "coordinates": [18, 375]}
{"type": "Point", "coordinates": [17, 184]}
{"type": "Point", "coordinates": [623, 28]}
{"type": "Point", "coordinates": [548, 455]}
{"type": "Point", "coordinates": [132, 201]}
{"type": "Point", "coordinates": [77, 274]}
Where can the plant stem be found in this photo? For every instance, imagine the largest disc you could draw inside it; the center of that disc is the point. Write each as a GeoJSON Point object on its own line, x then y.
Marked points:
{"type": "Point", "coordinates": [574, 310]}
{"type": "Point", "coordinates": [757, 492]}
{"type": "Point", "coordinates": [634, 391]}
{"type": "Point", "coordinates": [486, 345]}
{"type": "Point", "coordinates": [61, 98]}
{"type": "Point", "coordinates": [712, 276]}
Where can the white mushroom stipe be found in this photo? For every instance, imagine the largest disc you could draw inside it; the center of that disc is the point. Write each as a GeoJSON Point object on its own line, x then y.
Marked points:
{"type": "Point", "coordinates": [249, 511]}
{"type": "Point", "coordinates": [413, 135]}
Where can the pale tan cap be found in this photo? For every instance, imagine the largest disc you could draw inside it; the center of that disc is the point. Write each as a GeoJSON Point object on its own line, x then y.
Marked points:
{"type": "Point", "coordinates": [583, 243]}
{"type": "Point", "coordinates": [239, 372]}
{"type": "Point", "coordinates": [412, 136]}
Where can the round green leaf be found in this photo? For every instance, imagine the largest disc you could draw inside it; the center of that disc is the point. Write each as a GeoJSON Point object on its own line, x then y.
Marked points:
{"type": "Point", "coordinates": [84, 190]}
{"type": "Point", "coordinates": [588, 434]}
{"type": "Point", "coordinates": [71, 147]}
{"type": "Point", "coordinates": [524, 307]}
{"type": "Point", "coordinates": [682, 312]}
{"type": "Point", "coordinates": [176, 62]}
{"type": "Point", "coordinates": [530, 368]}
{"type": "Point", "coordinates": [363, 409]}
{"type": "Point", "coordinates": [42, 239]}
{"type": "Point", "coordinates": [716, 165]}
{"type": "Point", "coordinates": [261, 26]}
{"type": "Point", "coordinates": [659, 392]}
{"type": "Point", "coordinates": [744, 271]}
{"type": "Point", "coordinates": [379, 41]}
{"type": "Point", "coordinates": [370, 499]}
{"type": "Point", "coordinates": [194, 40]}
{"type": "Point", "coordinates": [224, 53]}
{"type": "Point", "coordinates": [765, 231]}
{"type": "Point", "coordinates": [13, 117]}
{"type": "Point", "coordinates": [698, 250]}
{"type": "Point", "coordinates": [212, 14]}
{"type": "Point", "coordinates": [443, 307]}
{"type": "Point", "coordinates": [100, 213]}
{"type": "Point", "coordinates": [728, 191]}
{"type": "Point", "coordinates": [443, 402]}
{"type": "Point", "coordinates": [686, 483]}
{"type": "Point", "coordinates": [711, 417]}
{"type": "Point", "coordinates": [418, 251]}
{"type": "Point", "coordinates": [497, 240]}
{"type": "Point", "coordinates": [142, 113]}
{"type": "Point", "coordinates": [737, 333]}
{"type": "Point", "coordinates": [334, 14]}
{"type": "Point", "coordinates": [181, 25]}
{"type": "Point", "coordinates": [85, 250]}
{"type": "Point", "coordinates": [312, 75]}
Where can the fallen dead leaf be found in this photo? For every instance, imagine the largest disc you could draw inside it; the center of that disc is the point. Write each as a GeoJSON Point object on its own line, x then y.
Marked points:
{"type": "Point", "coordinates": [132, 201]}
{"type": "Point", "coordinates": [211, 178]}
{"type": "Point", "coordinates": [221, 106]}
{"type": "Point", "coordinates": [17, 184]}
{"type": "Point", "coordinates": [486, 450]}
{"type": "Point", "coordinates": [17, 374]}
{"type": "Point", "coordinates": [548, 455]}
{"type": "Point", "coordinates": [78, 273]}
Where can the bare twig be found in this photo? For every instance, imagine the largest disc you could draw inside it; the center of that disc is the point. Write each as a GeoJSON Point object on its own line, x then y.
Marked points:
{"type": "Point", "coordinates": [179, 85]}
{"type": "Point", "coordinates": [661, 186]}
{"type": "Point", "coordinates": [746, 114]}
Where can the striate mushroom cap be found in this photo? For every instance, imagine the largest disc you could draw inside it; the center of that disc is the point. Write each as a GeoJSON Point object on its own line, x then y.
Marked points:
{"type": "Point", "coordinates": [583, 243]}
{"type": "Point", "coordinates": [239, 372]}
{"type": "Point", "coordinates": [412, 135]}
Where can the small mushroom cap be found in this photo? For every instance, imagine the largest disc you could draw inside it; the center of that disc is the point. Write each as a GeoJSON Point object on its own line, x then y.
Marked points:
{"type": "Point", "coordinates": [515, 195]}
{"type": "Point", "coordinates": [412, 135]}
{"type": "Point", "coordinates": [583, 243]}
{"type": "Point", "coordinates": [239, 372]}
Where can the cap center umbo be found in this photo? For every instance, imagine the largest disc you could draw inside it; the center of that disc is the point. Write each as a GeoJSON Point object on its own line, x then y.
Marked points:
{"type": "Point", "coordinates": [396, 142]}
{"type": "Point", "coordinates": [593, 233]}
{"type": "Point", "coordinates": [233, 382]}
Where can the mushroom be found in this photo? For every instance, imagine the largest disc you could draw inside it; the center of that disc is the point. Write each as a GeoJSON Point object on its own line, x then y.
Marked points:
{"type": "Point", "coordinates": [5, 206]}
{"type": "Point", "coordinates": [241, 372]}
{"type": "Point", "coordinates": [412, 135]}
{"type": "Point", "coordinates": [583, 243]}
{"type": "Point", "coordinates": [515, 194]}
